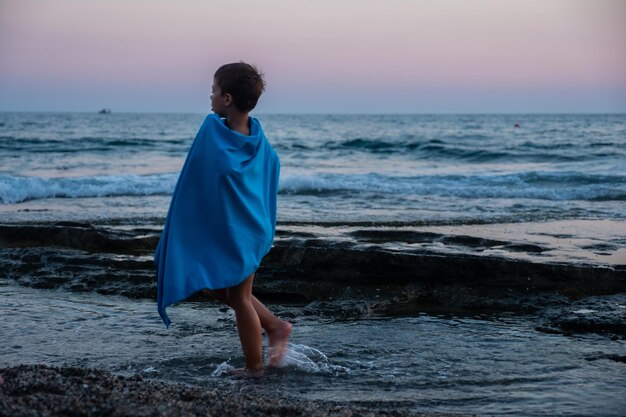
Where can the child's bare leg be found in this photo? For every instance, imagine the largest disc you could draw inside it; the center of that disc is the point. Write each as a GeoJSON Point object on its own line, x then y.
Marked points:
{"type": "Point", "coordinates": [278, 331]}
{"type": "Point", "coordinates": [248, 325]}
{"type": "Point", "coordinates": [269, 322]}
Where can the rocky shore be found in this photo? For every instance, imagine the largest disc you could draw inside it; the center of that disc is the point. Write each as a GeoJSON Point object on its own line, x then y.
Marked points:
{"type": "Point", "coordinates": [560, 283]}
{"type": "Point", "coordinates": [357, 270]}
{"type": "Point", "coordinates": [38, 390]}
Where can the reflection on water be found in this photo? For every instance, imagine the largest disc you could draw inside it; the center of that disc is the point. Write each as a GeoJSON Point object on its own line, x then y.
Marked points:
{"type": "Point", "coordinates": [445, 364]}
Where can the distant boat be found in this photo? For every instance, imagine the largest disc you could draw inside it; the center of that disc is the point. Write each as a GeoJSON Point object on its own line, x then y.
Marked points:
{"type": "Point", "coordinates": [105, 111]}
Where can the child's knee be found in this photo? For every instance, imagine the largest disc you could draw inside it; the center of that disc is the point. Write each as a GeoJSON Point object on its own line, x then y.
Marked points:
{"type": "Point", "coordinates": [241, 295]}
{"type": "Point", "coordinates": [237, 300]}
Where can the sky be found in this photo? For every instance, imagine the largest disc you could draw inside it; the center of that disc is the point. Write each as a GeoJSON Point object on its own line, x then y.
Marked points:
{"type": "Point", "coordinates": [322, 56]}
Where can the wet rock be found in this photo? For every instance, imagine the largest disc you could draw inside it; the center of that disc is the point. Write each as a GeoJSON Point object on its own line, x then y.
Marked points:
{"type": "Point", "coordinates": [77, 236]}
{"type": "Point", "coordinates": [605, 247]}
{"type": "Point", "coordinates": [373, 266]}
{"type": "Point", "coordinates": [52, 268]}
{"type": "Point", "coordinates": [525, 247]}
{"type": "Point", "coordinates": [601, 315]}
{"type": "Point", "coordinates": [303, 267]}
{"type": "Point", "coordinates": [607, 356]}
{"type": "Point", "coordinates": [341, 310]}
{"type": "Point", "coordinates": [382, 236]}
{"type": "Point", "coordinates": [471, 241]}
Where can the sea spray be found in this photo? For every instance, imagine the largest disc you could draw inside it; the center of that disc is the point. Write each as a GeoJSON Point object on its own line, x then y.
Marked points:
{"type": "Point", "coordinates": [310, 360]}
{"type": "Point", "coordinates": [526, 185]}
{"type": "Point", "coordinates": [16, 189]}
{"type": "Point", "coordinates": [222, 369]}
{"type": "Point", "coordinates": [301, 358]}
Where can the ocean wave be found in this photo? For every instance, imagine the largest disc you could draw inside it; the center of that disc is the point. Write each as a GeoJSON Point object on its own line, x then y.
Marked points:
{"type": "Point", "coordinates": [526, 185]}
{"type": "Point", "coordinates": [16, 189]}
{"type": "Point", "coordinates": [89, 144]}
{"type": "Point", "coordinates": [474, 149]}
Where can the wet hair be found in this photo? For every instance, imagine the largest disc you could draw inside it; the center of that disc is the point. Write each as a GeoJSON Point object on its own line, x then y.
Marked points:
{"type": "Point", "coordinates": [244, 82]}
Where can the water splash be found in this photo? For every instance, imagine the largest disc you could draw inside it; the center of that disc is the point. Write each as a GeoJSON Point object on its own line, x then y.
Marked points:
{"type": "Point", "coordinates": [584, 311]}
{"type": "Point", "coordinates": [301, 357]}
{"type": "Point", "coordinates": [222, 369]}
{"type": "Point", "coordinates": [310, 360]}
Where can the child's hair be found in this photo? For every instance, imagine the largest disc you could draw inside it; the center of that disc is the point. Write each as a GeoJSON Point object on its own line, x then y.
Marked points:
{"type": "Point", "coordinates": [242, 81]}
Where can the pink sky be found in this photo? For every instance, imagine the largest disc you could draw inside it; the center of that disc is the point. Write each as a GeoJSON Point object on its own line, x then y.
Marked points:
{"type": "Point", "coordinates": [319, 56]}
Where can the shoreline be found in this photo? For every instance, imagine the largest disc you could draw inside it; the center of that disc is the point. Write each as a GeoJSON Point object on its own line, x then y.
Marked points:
{"type": "Point", "coordinates": [42, 390]}
{"type": "Point", "coordinates": [359, 271]}
{"type": "Point", "coordinates": [313, 273]}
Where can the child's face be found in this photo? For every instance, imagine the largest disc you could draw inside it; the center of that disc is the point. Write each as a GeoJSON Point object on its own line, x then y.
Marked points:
{"type": "Point", "coordinates": [218, 101]}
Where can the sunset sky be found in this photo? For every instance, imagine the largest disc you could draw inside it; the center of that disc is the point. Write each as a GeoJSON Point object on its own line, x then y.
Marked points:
{"type": "Point", "coordinates": [323, 56]}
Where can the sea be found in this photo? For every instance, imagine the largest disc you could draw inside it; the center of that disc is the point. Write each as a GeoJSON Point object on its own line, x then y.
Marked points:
{"type": "Point", "coordinates": [416, 169]}
{"type": "Point", "coordinates": [337, 171]}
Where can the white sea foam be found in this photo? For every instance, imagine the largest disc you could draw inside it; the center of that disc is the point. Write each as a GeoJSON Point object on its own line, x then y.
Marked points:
{"type": "Point", "coordinates": [310, 360]}
{"type": "Point", "coordinates": [301, 357]}
{"type": "Point", "coordinates": [543, 186]}
{"type": "Point", "coordinates": [222, 369]}
{"type": "Point", "coordinates": [584, 311]}
{"type": "Point", "coordinates": [15, 189]}
{"type": "Point", "coordinates": [535, 185]}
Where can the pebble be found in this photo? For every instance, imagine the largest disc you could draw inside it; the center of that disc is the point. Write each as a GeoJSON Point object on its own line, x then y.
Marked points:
{"type": "Point", "coordinates": [41, 390]}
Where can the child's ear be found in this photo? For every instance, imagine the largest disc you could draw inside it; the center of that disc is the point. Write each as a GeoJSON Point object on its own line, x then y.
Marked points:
{"type": "Point", "coordinates": [228, 99]}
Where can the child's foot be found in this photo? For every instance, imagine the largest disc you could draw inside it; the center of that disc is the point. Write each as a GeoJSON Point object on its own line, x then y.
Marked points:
{"type": "Point", "coordinates": [278, 343]}
{"type": "Point", "coordinates": [247, 373]}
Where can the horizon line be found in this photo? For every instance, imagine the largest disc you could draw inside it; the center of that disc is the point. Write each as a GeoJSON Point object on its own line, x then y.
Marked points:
{"type": "Point", "coordinates": [333, 113]}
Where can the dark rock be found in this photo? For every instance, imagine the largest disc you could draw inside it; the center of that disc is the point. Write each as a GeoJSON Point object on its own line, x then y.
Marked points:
{"type": "Point", "coordinates": [381, 236]}
{"type": "Point", "coordinates": [608, 356]}
{"type": "Point", "coordinates": [304, 268]}
{"type": "Point", "coordinates": [601, 315]}
{"type": "Point", "coordinates": [471, 241]}
{"type": "Point", "coordinates": [76, 236]}
{"type": "Point", "coordinates": [525, 247]}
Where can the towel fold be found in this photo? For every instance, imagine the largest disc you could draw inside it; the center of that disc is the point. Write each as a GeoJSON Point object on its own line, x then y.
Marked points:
{"type": "Point", "coordinates": [222, 216]}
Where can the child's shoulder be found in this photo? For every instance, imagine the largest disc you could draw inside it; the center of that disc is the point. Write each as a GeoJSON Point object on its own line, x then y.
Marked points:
{"type": "Point", "coordinates": [212, 118]}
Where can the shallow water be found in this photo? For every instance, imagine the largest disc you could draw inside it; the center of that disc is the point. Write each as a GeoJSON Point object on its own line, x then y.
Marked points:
{"type": "Point", "coordinates": [495, 364]}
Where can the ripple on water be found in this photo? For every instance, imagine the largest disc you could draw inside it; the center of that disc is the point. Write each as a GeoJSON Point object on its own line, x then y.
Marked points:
{"type": "Point", "coordinates": [443, 364]}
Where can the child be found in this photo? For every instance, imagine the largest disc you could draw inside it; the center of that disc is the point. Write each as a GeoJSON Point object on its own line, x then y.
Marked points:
{"type": "Point", "coordinates": [222, 216]}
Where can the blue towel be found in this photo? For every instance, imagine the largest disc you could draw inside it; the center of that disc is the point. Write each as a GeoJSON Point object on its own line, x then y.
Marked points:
{"type": "Point", "coordinates": [222, 216]}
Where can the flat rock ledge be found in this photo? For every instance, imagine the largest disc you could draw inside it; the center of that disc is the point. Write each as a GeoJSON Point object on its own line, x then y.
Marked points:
{"type": "Point", "coordinates": [40, 390]}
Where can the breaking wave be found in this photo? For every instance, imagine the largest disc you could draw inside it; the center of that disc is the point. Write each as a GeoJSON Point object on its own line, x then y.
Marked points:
{"type": "Point", "coordinates": [559, 186]}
